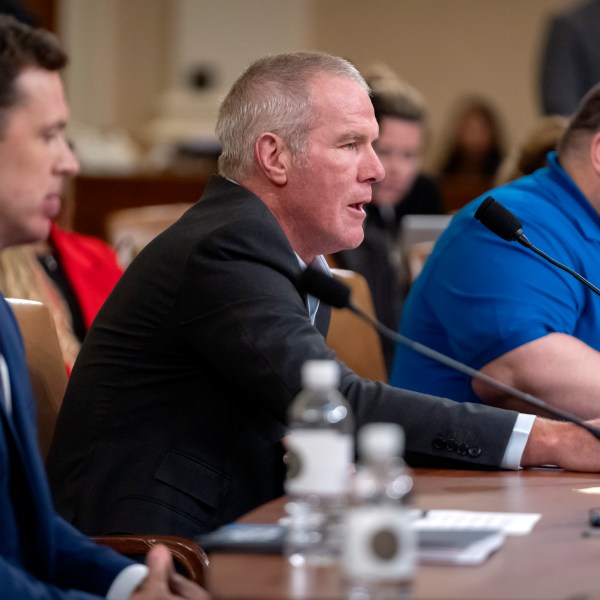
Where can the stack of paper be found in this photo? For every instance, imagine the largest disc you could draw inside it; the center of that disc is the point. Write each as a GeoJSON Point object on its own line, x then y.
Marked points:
{"type": "Point", "coordinates": [467, 537]}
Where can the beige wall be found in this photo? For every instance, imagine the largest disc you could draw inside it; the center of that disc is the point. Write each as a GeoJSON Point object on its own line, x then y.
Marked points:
{"type": "Point", "coordinates": [118, 58]}
{"type": "Point", "coordinates": [125, 52]}
{"type": "Point", "coordinates": [447, 48]}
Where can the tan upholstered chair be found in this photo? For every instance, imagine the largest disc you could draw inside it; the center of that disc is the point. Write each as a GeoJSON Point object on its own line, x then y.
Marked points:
{"type": "Point", "coordinates": [49, 381]}
{"type": "Point", "coordinates": [44, 360]}
{"type": "Point", "coordinates": [418, 253]}
{"type": "Point", "coordinates": [355, 342]}
{"type": "Point", "coordinates": [130, 229]}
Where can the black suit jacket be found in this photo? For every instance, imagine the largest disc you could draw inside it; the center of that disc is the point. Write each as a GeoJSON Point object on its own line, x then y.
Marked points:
{"type": "Point", "coordinates": [176, 406]}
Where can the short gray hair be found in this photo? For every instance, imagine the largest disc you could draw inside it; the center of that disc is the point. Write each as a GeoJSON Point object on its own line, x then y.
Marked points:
{"type": "Point", "coordinates": [273, 94]}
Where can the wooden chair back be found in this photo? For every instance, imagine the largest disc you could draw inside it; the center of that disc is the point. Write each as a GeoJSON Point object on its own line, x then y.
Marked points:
{"type": "Point", "coordinates": [355, 342]}
{"type": "Point", "coordinates": [130, 229]}
{"type": "Point", "coordinates": [46, 367]}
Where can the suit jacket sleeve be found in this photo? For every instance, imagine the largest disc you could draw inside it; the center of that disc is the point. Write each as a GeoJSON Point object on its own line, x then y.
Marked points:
{"type": "Point", "coordinates": [17, 583]}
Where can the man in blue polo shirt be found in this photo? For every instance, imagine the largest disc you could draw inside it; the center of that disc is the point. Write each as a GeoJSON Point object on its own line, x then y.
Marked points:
{"type": "Point", "coordinates": [504, 310]}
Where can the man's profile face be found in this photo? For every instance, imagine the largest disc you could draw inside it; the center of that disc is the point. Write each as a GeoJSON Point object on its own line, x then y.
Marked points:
{"type": "Point", "coordinates": [400, 148]}
{"type": "Point", "coordinates": [34, 158]}
{"type": "Point", "coordinates": [327, 192]}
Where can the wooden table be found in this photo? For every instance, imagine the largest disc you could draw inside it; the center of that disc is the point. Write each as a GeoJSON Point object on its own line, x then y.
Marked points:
{"type": "Point", "coordinates": [554, 561]}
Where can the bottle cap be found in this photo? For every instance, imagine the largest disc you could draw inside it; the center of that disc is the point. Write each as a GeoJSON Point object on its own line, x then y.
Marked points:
{"type": "Point", "coordinates": [380, 440]}
{"type": "Point", "coordinates": [320, 374]}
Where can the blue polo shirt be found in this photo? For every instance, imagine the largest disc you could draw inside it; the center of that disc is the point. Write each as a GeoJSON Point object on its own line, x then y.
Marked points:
{"type": "Point", "coordinates": [479, 296]}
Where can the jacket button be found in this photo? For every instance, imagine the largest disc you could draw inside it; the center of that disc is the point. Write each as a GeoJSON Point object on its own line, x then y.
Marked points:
{"type": "Point", "coordinates": [439, 443]}
{"type": "Point", "coordinates": [474, 451]}
{"type": "Point", "coordinates": [451, 445]}
{"type": "Point", "coordinates": [462, 449]}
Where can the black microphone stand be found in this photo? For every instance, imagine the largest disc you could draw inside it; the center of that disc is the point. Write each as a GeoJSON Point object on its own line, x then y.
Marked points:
{"type": "Point", "coordinates": [524, 241]}
{"type": "Point", "coordinates": [502, 222]}
{"type": "Point", "coordinates": [466, 370]}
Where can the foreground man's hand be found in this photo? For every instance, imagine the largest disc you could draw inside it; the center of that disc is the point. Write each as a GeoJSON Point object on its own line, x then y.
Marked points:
{"type": "Point", "coordinates": [162, 583]}
{"type": "Point", "coordinates": [562, 444]}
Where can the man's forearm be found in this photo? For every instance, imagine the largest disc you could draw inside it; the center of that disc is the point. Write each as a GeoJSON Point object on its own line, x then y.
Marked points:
{"type": "Point", "coordinates": [557, 368]}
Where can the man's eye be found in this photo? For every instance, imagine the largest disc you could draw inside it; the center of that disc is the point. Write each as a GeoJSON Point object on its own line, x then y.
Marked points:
{"type": "Point", "coordinates": [350, 145]}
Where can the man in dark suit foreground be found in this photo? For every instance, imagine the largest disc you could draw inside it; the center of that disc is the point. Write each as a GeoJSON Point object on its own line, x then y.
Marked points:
{"type": "Point", "coordinates": [42, 556]}
{"type": "Point", "coordinates": [176, 408]}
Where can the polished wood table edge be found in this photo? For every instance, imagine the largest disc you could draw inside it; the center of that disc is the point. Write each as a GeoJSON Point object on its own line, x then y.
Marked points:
{"type": "Point", "coordinates": [554, 561]}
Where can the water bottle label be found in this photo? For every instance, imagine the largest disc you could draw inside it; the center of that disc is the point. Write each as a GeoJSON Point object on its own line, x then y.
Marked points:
{"type": "Point", "coordinates": [381, 543]}
{"type": "Point", "coordinates": [318, 462]}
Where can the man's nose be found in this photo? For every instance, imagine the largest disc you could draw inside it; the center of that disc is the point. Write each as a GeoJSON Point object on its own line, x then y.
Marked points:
{"type": "Point", "coordinates": [375, 170]}
{"type": "Point", "coordinates": [67, 162]}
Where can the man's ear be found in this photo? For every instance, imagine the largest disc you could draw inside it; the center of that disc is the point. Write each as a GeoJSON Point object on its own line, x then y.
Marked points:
{"type": "Point", "coordinates": [595, 153]}
{"type": "Point", "coordinates": [272, 156]}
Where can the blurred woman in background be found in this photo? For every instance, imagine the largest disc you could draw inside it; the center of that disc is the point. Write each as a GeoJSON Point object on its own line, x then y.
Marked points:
{"type": "Point", "coordinates": [474, 152]}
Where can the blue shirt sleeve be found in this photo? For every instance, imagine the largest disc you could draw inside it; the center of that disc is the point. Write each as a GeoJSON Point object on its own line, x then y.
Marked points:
{"type": "Point", "coordinates": [495, 295]}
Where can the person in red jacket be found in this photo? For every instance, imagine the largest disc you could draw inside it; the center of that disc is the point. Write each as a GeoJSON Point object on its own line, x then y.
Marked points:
{"type": "Point", "coordinates": [69, 272]}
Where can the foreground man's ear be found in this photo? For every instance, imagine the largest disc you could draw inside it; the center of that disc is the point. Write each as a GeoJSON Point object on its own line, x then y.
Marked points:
{"type": "Point", "coordinates": [273, 157]}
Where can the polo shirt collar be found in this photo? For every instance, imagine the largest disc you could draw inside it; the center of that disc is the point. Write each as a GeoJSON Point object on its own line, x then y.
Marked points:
{"type": "Point", "coordinates": [588, 219]}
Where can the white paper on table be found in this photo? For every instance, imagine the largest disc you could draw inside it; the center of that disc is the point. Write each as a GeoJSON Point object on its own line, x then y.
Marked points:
{"type": "Point", "coordinates": [509, 523]}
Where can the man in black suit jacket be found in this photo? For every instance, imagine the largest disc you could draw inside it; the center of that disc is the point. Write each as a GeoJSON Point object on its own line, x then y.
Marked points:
{"type": "Point", "coordinates": [176, 408]}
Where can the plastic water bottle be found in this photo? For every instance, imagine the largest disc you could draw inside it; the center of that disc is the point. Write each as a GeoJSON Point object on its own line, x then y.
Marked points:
{"type": "Point", "coordinates": [380, 550]}
{"type": "Point", "coordinates": [319, 460]}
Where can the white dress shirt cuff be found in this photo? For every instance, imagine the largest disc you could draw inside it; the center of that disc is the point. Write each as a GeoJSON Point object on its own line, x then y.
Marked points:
{"type": "Point", "coordinates": [126, 582]}
{"type": "Point", "coordinates": [518, 440]}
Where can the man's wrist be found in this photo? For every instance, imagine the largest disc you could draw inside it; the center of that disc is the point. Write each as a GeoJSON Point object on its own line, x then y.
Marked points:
{"type": "Point", "coordinates": [544, 442]}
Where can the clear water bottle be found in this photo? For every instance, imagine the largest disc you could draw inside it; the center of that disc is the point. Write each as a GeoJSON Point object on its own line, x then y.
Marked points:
{"type": "Point", "coordinates": [319, 460]}
{"type": "Point", "coordinates": [381, 547]}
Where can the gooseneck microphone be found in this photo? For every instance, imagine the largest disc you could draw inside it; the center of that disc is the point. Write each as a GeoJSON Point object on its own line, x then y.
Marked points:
{"type": "Point", "coordinates": [337, 294]}
{"type": "Point", "coordinates": [499, 220]}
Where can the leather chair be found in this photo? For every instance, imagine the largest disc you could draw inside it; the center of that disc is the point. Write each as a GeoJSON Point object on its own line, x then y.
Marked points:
{"type": "Point", "coordinates": [418, 253]}
{"type": "Point", "coordinates": [355, 342]}
{"type": "Point", "coordinates": [49, 381]}
{"type": "Point", "coordinates": [186, 554]}
{"type": "Point", "coordinates": [130, 229]}
{"type": "Point", "coordinates": [47, 369]}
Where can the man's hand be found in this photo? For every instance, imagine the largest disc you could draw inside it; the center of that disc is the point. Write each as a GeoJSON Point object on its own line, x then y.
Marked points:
{"type": "Point", "coordinates": [162, 583]}
{"type": "Point", "coordinates": [562, 444]}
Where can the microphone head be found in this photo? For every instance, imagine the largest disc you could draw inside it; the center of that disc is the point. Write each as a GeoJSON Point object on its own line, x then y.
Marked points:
{"type": "Point", "coordinates": [499, 220]}
{"type": "Point", "coordinates": [325, 288]}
